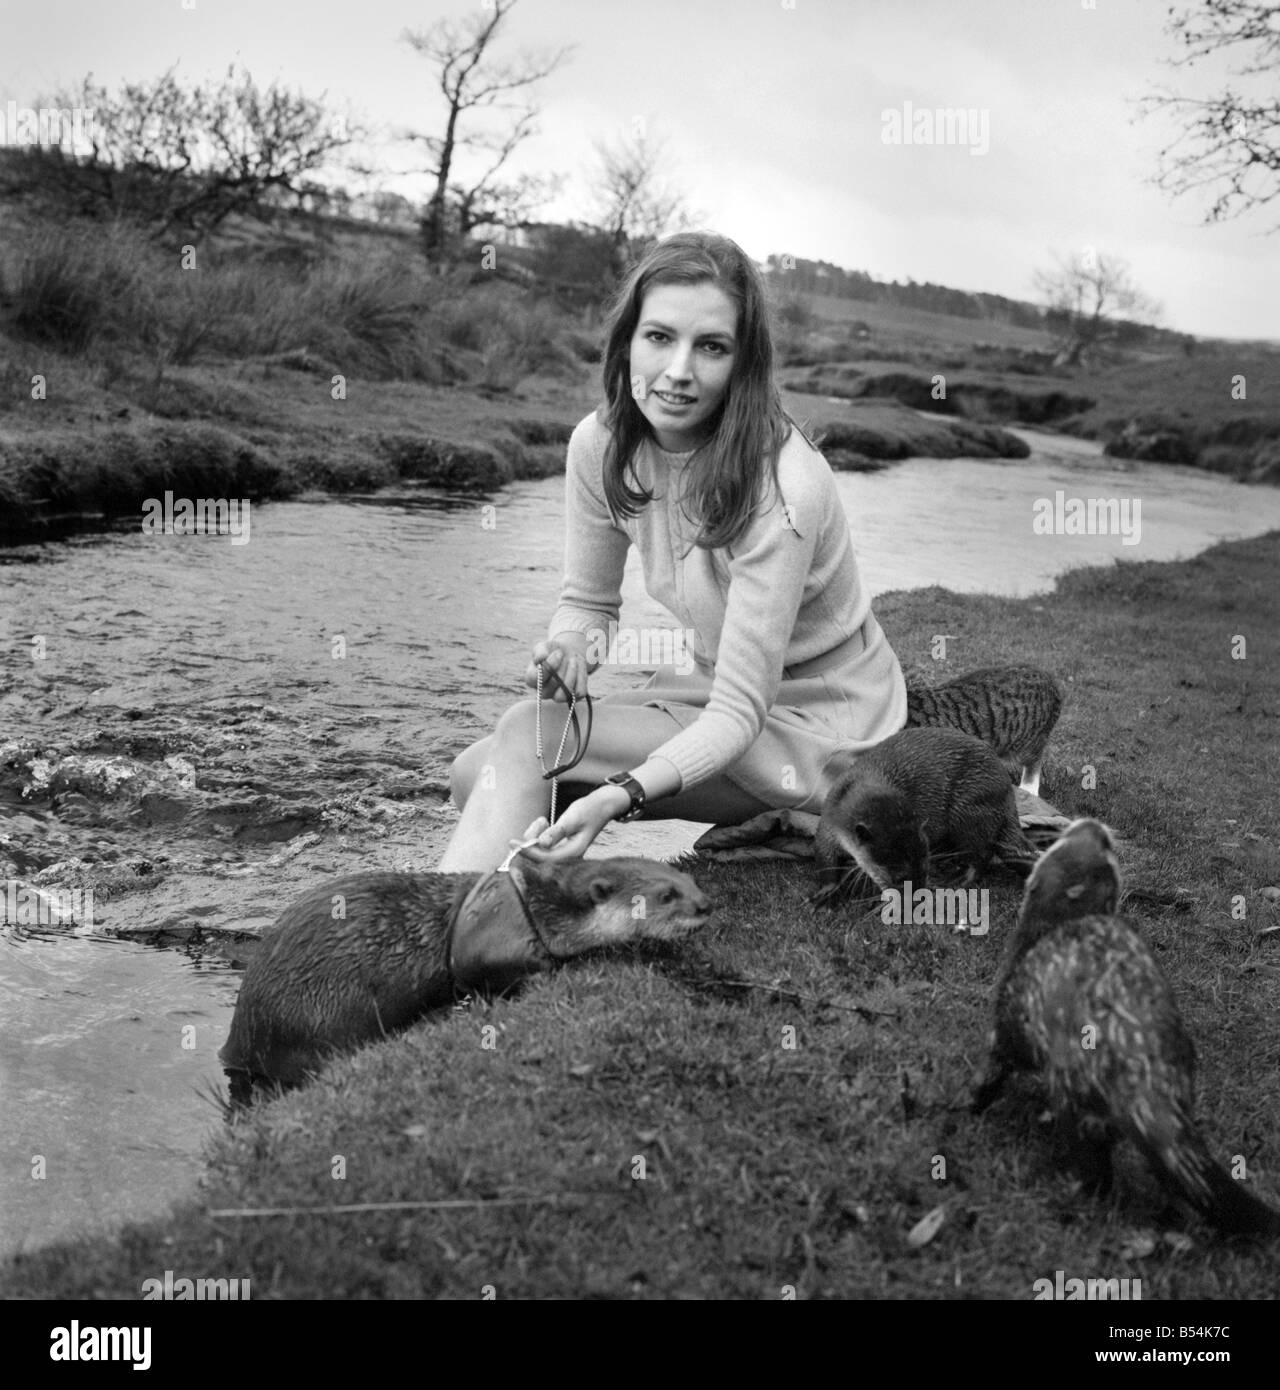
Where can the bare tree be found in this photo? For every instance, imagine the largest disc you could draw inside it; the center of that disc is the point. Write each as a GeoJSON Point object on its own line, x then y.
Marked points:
{"type": "Point", "coordinates": [1087, 295]}
{"type": "Point", "coordinates": [634, 202]}
{"type": "Point", "coordinates": [471, 80]}
{"type": "Point", "coordinates": [1230, 141]}
{"type": "Point", "coordinates": [511, 204]}
{"type": "Point", "coordinates": [178, 158]}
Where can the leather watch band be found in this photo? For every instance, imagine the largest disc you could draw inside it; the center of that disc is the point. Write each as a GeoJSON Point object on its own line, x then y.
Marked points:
{"type": "Point", "coordinates": [633, 789]}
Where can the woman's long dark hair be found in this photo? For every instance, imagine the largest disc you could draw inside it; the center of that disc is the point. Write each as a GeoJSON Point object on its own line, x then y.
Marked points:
{"type": "Point", "coordinates": [725, 483]}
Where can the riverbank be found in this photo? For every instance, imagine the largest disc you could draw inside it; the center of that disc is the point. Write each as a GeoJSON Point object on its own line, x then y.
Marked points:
{"type": "Point", "coordinates": [269, 430]}
{"type": "Point", "coordinates": [100, 444]}
{"type": "Point", "coordinates": [767, 1165]}
{"type": "Point", "coordinates": [265, 369]}
{"type": "Point", "coordinates": [1215, 411]}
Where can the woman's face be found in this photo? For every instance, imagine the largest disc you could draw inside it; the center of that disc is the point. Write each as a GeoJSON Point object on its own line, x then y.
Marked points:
{"type": "Point", "coordinates": [682, 355]}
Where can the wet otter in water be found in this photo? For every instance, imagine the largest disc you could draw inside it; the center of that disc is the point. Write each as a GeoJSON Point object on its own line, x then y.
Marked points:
{"type": "Point", "coordinates": [922, 795]}
{"type": "Point", "coordinates": [1081, 1002]}
{"type": "Point", "coordinates": [368, 954]}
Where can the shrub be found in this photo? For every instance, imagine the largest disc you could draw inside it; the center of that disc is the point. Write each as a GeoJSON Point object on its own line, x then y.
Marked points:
{"type": "Point", "coordinates": [110, 291]}
{"type": "Point", "coordinates": [86, 286]}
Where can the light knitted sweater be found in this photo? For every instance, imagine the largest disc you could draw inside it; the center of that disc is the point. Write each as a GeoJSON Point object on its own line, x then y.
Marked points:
{"type": "Point", "coordinates": [786, 592]}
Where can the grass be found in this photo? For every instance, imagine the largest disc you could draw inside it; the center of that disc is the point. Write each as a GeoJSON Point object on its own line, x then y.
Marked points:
{"type": "Point", "coordinates": [1157, 402]}
{"type": "Point", "coordinates": [767, 1166]}
{"type": "Point", "coordinates": [920, 329]}
{"type": "Point", "coordinates": [122, 375]}
{"type": "Point", "coordinates": [329, 368]}
{"type": "Point", "coordinates": [113, 433]}
{"type": "Point", "coordinates": [373, 311]}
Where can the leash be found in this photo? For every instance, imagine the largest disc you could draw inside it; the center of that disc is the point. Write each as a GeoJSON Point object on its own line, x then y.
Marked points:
{"type": "Point", "coordinates": [571, 721]}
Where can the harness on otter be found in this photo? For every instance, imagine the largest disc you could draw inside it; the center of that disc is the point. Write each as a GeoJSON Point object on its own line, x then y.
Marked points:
{"type": "Point", "coordinates": [495, 940]}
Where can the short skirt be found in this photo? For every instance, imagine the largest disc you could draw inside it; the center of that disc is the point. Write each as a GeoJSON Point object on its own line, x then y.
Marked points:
{"type": "Point", "coordinates": [848, 707]}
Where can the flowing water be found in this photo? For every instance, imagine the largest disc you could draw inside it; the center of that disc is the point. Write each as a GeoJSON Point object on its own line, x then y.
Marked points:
{"type": "Point", "coordinates": [207, 728]}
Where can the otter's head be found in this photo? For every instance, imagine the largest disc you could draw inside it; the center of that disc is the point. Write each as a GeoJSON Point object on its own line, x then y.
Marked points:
{"type": "Point", "coordinates": [585, 904]}
{"type": "Point", "coordinates": [881, 834]}
{"type": "Point", "coordinates": [1078, 876]}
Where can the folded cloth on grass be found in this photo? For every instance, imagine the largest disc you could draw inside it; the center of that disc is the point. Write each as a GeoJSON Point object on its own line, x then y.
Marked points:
{"type": "Point", "coordinates": [787, 834]}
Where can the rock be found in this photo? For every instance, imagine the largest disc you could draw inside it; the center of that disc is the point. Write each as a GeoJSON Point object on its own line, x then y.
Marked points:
{"type": "Point", "coordinates": [1163, 444]}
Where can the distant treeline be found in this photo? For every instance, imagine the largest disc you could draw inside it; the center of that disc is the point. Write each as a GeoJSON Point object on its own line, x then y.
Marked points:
{"type": "Point", "coordinates": [821, 277]}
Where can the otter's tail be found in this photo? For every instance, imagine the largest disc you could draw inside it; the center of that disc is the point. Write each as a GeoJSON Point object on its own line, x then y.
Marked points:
{"type": "Point", "coordinates": [1191, 1172]}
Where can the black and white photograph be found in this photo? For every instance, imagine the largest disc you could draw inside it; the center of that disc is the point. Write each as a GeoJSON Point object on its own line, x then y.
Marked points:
{"type": "Point", "coordinates": [640, 660]}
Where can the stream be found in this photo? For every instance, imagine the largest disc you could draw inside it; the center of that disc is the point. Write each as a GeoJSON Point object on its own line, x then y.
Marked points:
{"type": "Point", "coordinates": [207, 728]}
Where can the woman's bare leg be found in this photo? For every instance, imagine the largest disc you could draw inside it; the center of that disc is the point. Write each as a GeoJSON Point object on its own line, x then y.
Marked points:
{"type": "Point", "coordinates": [499, 787]}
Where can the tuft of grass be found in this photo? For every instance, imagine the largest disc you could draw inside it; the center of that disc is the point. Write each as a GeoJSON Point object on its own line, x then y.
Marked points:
{"type": "Point", "coordinates": [104, 292]}
{"type": "Point", "coordinates": [86, 287]}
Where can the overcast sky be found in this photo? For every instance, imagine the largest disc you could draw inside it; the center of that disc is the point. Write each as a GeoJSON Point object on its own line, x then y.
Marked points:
{"type": "Point", "coordinates": [774, 112]}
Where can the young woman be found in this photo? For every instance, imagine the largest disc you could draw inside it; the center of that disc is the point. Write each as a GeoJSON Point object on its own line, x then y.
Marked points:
{"type": "Point", "coordinates": [742, 536]}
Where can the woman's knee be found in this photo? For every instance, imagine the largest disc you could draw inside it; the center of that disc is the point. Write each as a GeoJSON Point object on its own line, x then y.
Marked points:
{"type": "Point", "coordinates": [466, 768]}
{"type": "Point", "coordinates": [517, 724]}
{"type": "Point", "coordinates": [511, 742]}
{"type": "Point", "coordinates": [516, 735]}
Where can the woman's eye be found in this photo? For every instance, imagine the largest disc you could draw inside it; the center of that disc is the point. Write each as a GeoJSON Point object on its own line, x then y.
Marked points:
{"type": "Point", "coordinates": [655, 335]}
{"type": "Point", "coordinates": [716, 349]}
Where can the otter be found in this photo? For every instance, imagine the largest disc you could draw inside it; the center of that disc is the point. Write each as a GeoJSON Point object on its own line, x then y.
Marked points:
{"type": "Point", "coordinates": [1013, 708]}
{"type": "Point", "coordinates": [1081, 1002]}
{"type": "Point", "coordinates": [921, 795]}
{"type": "Point", "coordinates": [368, 954]}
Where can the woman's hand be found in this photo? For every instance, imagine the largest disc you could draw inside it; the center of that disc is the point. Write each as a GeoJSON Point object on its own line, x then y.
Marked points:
{"type": "Point", "coordinates": [580, 823]}
{"type": "Point", "coordinates": [567, 657]}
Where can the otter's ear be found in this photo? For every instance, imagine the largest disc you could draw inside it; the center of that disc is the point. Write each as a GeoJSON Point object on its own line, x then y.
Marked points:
{"type": "Point", "coordinates": [601, 890]}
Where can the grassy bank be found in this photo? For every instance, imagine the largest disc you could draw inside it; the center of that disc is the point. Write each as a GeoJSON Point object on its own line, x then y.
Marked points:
{"type": "Point", "coordinates": [268, 364]}
{"type": "Point", "coordinates": [260, 369]}
{"type": "Point", "coordinates": [263, 368]}
{"type": "Point", "coordinates": [765, 1165]}
{"type": "Point", "coordinates": [1216, 406]}
{"type": "Point", "coordinates": [257, 432]}
{"type": "Point", "coordinates": [100, 448]}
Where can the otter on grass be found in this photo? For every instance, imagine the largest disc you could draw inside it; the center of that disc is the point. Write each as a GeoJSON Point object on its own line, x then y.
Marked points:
{"type": "Point", "coordinates": [1081, 1003]}
{"type": "Point", "coordinates": [367, 955]}
{"type": "Point", "coordinates": [1011, 708]}
{"type": "Point", "coordinates": [924, 797]}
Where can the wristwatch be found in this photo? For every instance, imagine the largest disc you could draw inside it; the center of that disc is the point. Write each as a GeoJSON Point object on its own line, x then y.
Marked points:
{"type": "Point", "coordinates": [633, 789]}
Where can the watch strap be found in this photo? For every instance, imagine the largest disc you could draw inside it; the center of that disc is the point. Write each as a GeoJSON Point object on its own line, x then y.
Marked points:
{"type": "Point", "coordinates": [633, 789]}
